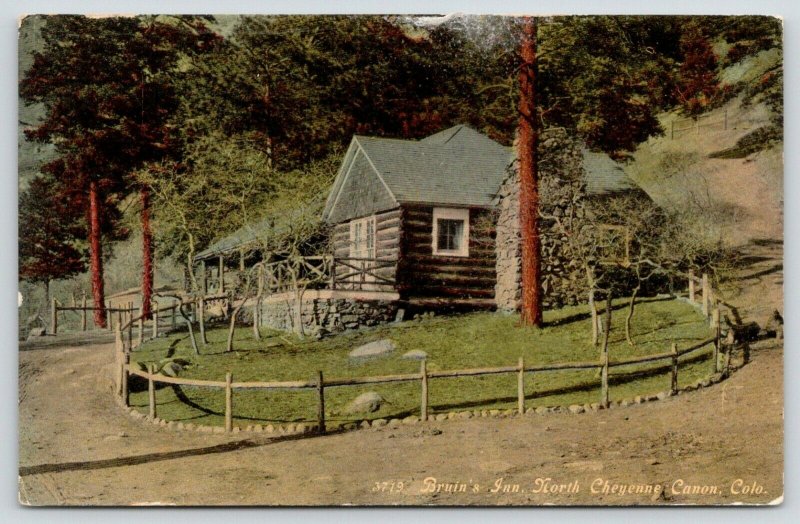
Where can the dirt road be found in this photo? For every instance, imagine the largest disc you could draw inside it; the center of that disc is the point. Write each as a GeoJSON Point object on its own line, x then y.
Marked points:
{"type": "Point", "coordinates": [723, 444]}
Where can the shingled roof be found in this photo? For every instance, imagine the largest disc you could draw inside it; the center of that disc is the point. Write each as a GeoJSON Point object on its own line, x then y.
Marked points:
{"type": "Point", "coordinates": [457, 166]}
{"type": "Point", "coordinates": [242, 237]}
{"type": "Point", "coordinates": [605, 176]}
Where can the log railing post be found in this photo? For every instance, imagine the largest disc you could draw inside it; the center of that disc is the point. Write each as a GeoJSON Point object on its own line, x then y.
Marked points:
{"type": "Point", "coordinates": [110, 316]}
{"type": "Point", "coordinates": [151, 389]}
{"type": "Point", "coordinates": [521, 387]}
{"type": "Point", "coordinates": [706, 295]}
{"type": "Point", "coordinates": [715, 318]}
{"type": "Point", "coordinates": [140, 326]}
{"type": "Point", "coordinates": [130, 327]}
{"type": "Point", "coordinates": [54, 316]}
{"type": "Point", "coordinates": [320, 404]}
{"type": "Point", "coordinates": [228, 403]}
{"type": "Point", "coordinates": [423, 409]}
{"type": "Point", "coordinates": [83, 312]}
{"type": "Point", "coordinates": [717, 341]}
{"type": "Point", "coordinates": [691, 286]}
{"type": "Point", "coordinates": [119, 354]}
{"type": "Point", "coordinates": [155, 321]}
{"type": "Point", "coordinates": [126, 396]}
{"type": "Point", "coordinates": [674, 382]}
{"type": "Point", "coordinates": [604, 380]}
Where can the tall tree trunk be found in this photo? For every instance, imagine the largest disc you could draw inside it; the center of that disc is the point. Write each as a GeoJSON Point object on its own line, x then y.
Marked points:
{"type": "Point", "coordinates": [147, 254]}
{"type": "Point", "coordinates": [96, 256]}
{"type": "Point", "coordinates": [528, 178]}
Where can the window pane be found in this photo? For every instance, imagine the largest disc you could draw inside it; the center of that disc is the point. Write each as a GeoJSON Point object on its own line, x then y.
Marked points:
{"type": "Point", "coordinates": [449, 234]}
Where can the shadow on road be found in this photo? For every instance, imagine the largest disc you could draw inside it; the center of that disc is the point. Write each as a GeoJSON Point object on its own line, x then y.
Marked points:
{"type": "Point", "coordinates": [153, 457]}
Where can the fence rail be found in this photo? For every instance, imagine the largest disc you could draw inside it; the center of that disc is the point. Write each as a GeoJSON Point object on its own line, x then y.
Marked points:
{"type": "Point", "coordinates": [320, 383]}
{"type": "Point", "coordinates": [695, 124]}
{"type": "Point", "coordinates": [710, 306]}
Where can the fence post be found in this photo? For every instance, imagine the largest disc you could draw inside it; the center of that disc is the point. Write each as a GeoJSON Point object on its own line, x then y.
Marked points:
{"type": "Point", "coordinates": [140, 326]}
{"type": "Point", "coordinates": [174, 312]}
{"type": "Point", "coordinates": [692, 298]}
{"type": "Point", "coordinates": [716, 341]}
{"type": "Point", "coordinates": [126, 395]}
{"type": "Point", "coordinates": [110, 316]}
{"type": "Point", "coordinates": [130, 330]}
{"type": "Point", "coordinates": [521, 387]}
{"type": "Point", "coordinates": [320, 404]}
{"type": "Point", "coordinates": [674, 384]}
{"type": "Point", "coordinates": [706, 297]}
{"type": "Point", "coordinates": [604, 380]}
{"type": "Point", "coordinates": [54, 316]}
{"type": "Point", "coordinates": [423, 409]}
{"type": "Point", "coordinates": [151, 389]}
{"type": "Point", "coordinates": [715, 318]}
{"type": "Point", "coordinates": [83, 312]}
{"type": "Point", "coordinates": [228, 403]}
{"type": "Point", "coordinates": [155, 321]}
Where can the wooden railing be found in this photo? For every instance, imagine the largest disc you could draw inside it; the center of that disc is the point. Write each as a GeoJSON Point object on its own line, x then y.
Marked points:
{"type": "Point", "coordinates": [320, 384]}
{"type": "Point", "coordinates": [696, 123]}
{"type": "Point", "coordinates": [361, 273]}
{"type": "Point", "coordinates": [56, 307]}
{"type": "Point", "coordinates": [334, 273]}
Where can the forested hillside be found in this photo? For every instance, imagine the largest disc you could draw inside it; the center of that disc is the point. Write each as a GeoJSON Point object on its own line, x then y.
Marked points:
{"type": "Point", "coordinates": [152, 136]}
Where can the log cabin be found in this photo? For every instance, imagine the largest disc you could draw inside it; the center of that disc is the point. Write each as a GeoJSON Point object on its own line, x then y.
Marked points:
{"type": "Point", "coordinates": [417, 225]}
{"type": "Point", "coordinates": [422, 210]}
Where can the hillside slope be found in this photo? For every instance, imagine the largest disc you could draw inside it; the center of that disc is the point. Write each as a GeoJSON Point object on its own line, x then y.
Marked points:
{"type": "Point", "coordinates": [732, 189]}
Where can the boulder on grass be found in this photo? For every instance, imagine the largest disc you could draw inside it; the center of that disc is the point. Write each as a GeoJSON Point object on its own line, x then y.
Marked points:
{"type": "Point", "coordinates": [369, 402]}
{"type": "Point", "coordinates": [374, 349]}
{"type": "Point", "coordinates": [415, 354]}
{"type": "Point", "coordinates": [171, 369]}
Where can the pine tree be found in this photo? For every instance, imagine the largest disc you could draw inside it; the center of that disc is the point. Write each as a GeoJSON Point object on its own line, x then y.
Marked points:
{"type": "Point", "coordinates": [49, 234]}
{"type": "Point", "coordinates": [697, 82]}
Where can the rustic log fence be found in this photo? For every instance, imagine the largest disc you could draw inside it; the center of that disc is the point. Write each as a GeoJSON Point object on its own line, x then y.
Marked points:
{"type": "Point", "coordinates": [696, 123]}
{"type": "Point", "coordinates": [710, 306]}
{"type": "Point", "coordinates": [336, 273]}
{"type": "Point", "coordinates": [320, 384]}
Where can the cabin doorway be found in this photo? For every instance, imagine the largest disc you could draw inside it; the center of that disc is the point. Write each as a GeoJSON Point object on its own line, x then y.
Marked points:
{"type": "Point", "coordinates": [363, 250]}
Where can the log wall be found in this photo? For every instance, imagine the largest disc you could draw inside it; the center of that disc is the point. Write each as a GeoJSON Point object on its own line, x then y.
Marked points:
{"type": "Point", "coordinates": [421, 274]}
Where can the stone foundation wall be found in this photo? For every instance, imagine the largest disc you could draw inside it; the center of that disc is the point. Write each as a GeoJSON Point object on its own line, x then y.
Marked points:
{"type": "Point", "coordinates": [321, 316]}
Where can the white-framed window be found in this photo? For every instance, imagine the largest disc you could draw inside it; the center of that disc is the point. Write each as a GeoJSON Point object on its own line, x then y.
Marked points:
{"type": "Point", "coordinates": [451, 231]}
{"type": "Point", "coordinates": [362, 238]}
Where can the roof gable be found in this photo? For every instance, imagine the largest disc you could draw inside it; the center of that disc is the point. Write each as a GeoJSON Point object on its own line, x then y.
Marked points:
{"type": "Point", "coordinates": [457, 166]}
{"type": "Point", "coordinates": [605, 176]}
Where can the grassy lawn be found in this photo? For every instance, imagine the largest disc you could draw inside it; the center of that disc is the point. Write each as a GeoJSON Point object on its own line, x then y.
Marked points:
{"type": "Point", "coordinates": [454, 342]}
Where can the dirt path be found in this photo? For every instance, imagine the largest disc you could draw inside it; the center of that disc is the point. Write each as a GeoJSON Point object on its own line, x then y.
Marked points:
{"type": "Point", "coordinates": [78, 447]}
